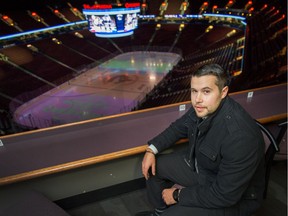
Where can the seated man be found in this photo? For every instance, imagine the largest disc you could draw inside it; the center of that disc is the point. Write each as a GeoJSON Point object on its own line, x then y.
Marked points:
{"type": "Point", "coordinates": [222, 169]}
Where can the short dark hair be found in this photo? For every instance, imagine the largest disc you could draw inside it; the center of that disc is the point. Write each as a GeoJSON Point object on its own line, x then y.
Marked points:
{"type": "Point", "coordinates": [215, 70]}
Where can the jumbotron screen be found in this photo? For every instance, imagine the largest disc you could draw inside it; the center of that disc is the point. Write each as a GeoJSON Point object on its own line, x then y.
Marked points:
{"type": "Point", "coordinates": [107, 20]}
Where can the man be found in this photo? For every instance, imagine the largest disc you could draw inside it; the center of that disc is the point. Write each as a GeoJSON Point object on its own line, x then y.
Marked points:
{"type": "Point", "coordinates": [222, 169]}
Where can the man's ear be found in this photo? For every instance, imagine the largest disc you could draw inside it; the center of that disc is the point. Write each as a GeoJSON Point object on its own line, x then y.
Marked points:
{"type": "Point", "coordinates": [224, 92]}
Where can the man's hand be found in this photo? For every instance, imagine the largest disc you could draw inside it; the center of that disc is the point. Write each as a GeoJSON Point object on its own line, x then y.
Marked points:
{"type": "Point", "coordinates": [167, 196]}
{"type": "Point", "coordinates": [149, 161]}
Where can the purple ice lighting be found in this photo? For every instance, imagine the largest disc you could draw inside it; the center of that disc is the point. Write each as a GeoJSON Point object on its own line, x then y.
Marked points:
{"type": "Point", "coordinates": [111, 88]}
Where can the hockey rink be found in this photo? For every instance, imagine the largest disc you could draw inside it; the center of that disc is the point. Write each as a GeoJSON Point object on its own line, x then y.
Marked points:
{"type": "Point", "coordinates": [111, 88]}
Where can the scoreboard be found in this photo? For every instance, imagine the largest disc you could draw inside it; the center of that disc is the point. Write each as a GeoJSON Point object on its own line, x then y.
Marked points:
{"type": "Point", "coordinates": [109, 20]}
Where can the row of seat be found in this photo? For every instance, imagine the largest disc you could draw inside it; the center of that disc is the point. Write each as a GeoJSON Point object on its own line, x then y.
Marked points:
{"type": "Point", "coordinates": [175, 87]}
{"type": "Point", "coordinates": [267, 39]}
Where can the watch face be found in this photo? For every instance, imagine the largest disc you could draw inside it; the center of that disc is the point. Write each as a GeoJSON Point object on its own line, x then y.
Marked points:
{"type": "Point", "coordinates": [175, 195]}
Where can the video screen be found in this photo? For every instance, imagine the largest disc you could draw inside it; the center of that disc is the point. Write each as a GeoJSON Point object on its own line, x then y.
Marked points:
{"type": "Point", "coordinates": [112, 22]}
{"type": "Point", "coordinates": [104, 25]}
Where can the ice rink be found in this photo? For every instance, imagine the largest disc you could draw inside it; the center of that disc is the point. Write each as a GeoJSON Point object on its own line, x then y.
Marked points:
{"type": "Point", "coordinates": [111, 88]}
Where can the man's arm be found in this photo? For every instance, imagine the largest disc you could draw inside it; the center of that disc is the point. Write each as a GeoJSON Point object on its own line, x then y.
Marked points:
{"type": "Point", "coordinates": [149, 161]}
{"type": "Point", "coordinates": [164, 140]}
{"type": "Point", "coordinates": [177, 130]}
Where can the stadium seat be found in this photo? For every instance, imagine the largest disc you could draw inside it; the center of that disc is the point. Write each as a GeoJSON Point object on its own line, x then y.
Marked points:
{"type": "Point", "coordinates": [271, 148]}
{"type": "Point", "coordinates": [282, 142]}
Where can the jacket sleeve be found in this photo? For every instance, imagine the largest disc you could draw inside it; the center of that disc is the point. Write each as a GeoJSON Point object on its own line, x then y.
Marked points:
{"type": "Point", "coordinates": [177, 130]}
{"type": "Point", "coordinates": [241, 158]}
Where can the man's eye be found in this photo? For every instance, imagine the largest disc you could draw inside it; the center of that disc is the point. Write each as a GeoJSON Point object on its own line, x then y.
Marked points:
{"type": "Point", "coordinates": [206, 92]}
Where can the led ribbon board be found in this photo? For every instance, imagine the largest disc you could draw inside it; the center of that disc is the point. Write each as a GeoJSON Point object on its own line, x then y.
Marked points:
{"type": "Point", "coordinates": [107, 20]}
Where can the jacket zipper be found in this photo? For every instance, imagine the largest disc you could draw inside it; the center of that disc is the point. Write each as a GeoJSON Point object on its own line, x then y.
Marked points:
{"type": "Point", "coordinates": [196, 163]}
{"type": "Point", "coordinates": [191, 153]}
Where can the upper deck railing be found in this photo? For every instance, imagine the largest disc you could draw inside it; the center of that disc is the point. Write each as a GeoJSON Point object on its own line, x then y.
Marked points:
{"type": "Point", "coordinates": [42, 152]}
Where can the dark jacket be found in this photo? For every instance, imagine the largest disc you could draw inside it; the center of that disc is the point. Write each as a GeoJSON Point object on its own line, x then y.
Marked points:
{"type": "Point", "coordinates": [229, 149]}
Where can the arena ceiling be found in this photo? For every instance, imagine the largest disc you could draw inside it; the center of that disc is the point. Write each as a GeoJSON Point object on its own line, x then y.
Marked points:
{"type": "Point", "coordinates": [194, 4]}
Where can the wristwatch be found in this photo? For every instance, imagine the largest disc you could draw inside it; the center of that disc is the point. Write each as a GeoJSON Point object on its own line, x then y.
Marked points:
{"type": "Point", "coordinates": [176, 195]}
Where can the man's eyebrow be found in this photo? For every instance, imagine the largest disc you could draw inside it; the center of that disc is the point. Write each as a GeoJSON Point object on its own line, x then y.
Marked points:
{"type": "Point", "coordinates": [205, 88]}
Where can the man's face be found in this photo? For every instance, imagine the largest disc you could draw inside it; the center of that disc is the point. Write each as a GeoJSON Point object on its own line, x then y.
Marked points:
{"type": "Point", "coordinates": [205, 95]}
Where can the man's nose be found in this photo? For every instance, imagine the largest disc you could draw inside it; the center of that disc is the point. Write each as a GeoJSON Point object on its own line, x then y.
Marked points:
{"type": "Point", "coordinates": [199, 97]}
